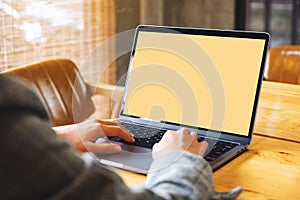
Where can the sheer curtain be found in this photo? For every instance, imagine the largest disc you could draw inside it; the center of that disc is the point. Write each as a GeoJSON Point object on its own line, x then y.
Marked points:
{"type": "Point", "coordinates": [37, 30]}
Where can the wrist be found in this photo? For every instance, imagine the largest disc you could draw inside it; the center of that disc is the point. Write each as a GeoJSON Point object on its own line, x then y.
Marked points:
{"type": "Point", "coordinates": [70, 135]}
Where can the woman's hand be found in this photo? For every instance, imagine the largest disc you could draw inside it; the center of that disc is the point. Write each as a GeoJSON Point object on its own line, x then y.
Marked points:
{"type": "Point", "coordinates": [181, 140]}
{"type": "Point", "coordinates": [82, 136]}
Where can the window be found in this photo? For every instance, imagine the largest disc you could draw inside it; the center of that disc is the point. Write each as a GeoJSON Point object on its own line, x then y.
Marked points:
{"type": "Point", "coordinates": [278, 17]}
{"type": "Point", "coordinates": [37, 30]}
{"type": "Point", "coordinates": [32, 31]}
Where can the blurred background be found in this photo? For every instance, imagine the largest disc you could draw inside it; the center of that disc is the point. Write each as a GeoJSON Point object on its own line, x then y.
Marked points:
{"type": "Point", "coordinates": [34, 30]}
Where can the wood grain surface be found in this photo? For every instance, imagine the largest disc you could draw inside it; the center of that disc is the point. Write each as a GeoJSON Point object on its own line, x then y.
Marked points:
{"type": "Point", "coordinates": [270, 168]}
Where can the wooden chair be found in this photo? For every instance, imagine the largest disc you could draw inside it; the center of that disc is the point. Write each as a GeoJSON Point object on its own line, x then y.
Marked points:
{"type": "Point", "coordinates": [63, 91]}
{"type": "Point", "coordinates": [284, 64]}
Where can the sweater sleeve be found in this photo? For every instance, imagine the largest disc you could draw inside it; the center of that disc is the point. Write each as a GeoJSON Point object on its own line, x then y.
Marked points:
{"type": "Point", "coordinates": [35, 164]}
{"type": "Point", "coordinates": [181, 175]}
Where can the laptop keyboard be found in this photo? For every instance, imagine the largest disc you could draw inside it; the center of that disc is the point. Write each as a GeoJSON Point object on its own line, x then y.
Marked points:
{"type": "Point", "coordinates": [147, 137]}
{"type": "Point", "coordinates": [144, 136]}
{"type": "Point", "coordinates": [216, 148]}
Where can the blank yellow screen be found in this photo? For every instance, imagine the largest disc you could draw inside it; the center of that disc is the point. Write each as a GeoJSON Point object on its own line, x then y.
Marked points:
{"type": "Point", "coordinates": [201, 81]}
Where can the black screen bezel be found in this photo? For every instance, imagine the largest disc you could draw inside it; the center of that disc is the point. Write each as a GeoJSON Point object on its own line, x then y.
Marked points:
{"type": "Point", "coordinates": [205, 32]}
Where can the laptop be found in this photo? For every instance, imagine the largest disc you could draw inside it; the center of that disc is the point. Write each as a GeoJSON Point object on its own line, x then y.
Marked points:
{"type": "Point", "coordinates": [205, 80]}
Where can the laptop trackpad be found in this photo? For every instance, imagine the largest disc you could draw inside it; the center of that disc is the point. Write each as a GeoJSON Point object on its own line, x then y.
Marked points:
{"type": "Point", "coordinates": [133, 158]}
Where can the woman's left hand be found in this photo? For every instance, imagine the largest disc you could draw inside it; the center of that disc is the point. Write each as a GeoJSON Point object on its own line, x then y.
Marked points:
{"type": "Point", "coordinates": [82, 136]}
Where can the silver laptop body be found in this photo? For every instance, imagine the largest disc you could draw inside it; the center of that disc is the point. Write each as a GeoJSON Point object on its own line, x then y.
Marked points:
{"type": "Point", "coordinates": [205, 80]}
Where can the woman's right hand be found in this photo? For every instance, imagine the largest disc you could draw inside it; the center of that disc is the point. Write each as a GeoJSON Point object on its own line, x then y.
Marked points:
{"type": "Point", "coordinates": [181, 140]}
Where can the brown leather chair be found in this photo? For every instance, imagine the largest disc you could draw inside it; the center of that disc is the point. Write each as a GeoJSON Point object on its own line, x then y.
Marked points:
{"type": "Point", "coordinates": [284, 64]}
{"type": "Point", "coordinates": [63, 91]}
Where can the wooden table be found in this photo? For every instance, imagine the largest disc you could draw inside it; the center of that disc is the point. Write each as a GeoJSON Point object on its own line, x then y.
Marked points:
{"type": "Point", "coordinates": [279, 111]}
{"type": "Point", "coordinates": [270, 169]}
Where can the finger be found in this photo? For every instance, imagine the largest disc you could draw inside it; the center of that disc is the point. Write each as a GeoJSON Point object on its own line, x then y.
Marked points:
{"type": "Point", "coordinates": [194, 135]}
{"type": "Point", "coordinates": [105, 148]}
{"type": "Point", "coordinates": [186, 138]}
{"type": "Point", "coordinates": [108, 122]}
{"type": "Point", "coordinates": [168, 136]}
{"type": "Point", "coordinates": [110, 130]}
{"type": "Point", "coordinates": [184, 131]}
{"type": "Point", "coordinates": [112, 123]}
{"type": "Point", "coordinates": [186, 134]}
{"type": "Point", "coordinates": [203, 148]}
{"type": "Point", "coordinates": [155, 147]}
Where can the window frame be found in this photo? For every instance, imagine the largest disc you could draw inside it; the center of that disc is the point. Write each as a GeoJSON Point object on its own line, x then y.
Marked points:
{"type": "Point", "coordinates": [241, 8]}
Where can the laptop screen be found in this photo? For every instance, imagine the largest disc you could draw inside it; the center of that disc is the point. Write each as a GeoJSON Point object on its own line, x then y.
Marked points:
{"type": "Point", "coordinates": [207, 81]}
